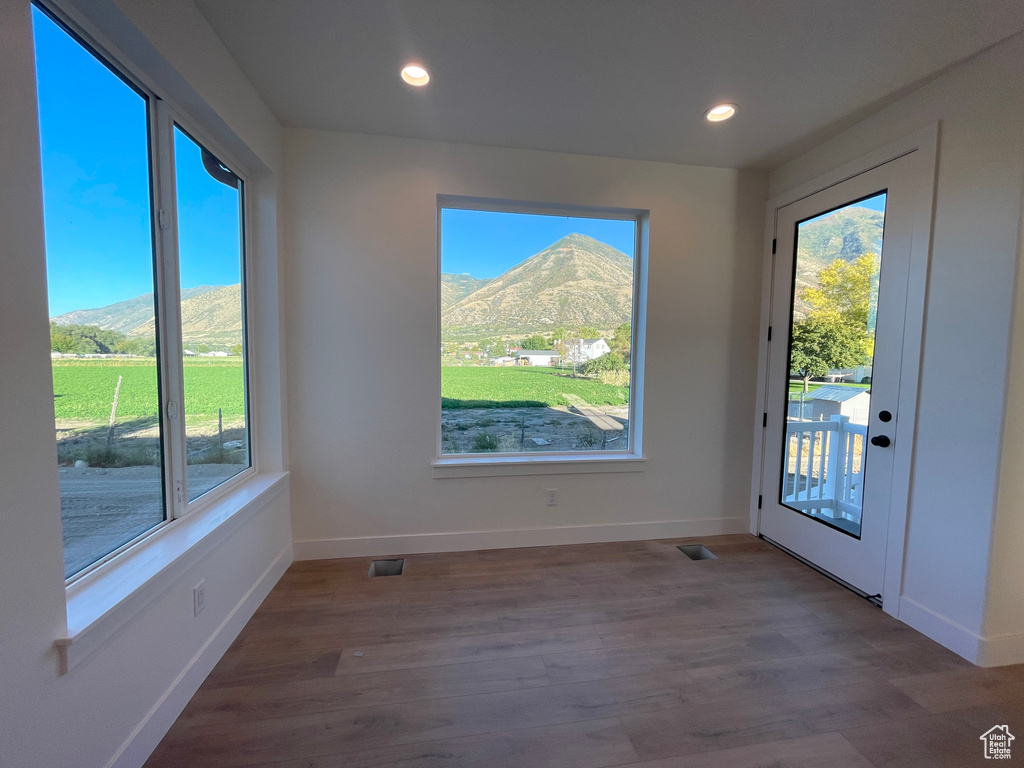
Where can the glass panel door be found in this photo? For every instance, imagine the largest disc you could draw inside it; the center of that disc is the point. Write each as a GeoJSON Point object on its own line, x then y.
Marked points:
{"type": "Point", "coordinates": [838, 305]}
{"type": "Point", "coordinates": [832, 319]}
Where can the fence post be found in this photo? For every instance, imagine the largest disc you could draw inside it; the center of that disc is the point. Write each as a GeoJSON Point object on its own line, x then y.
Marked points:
{"type": "Point", "coordinates": [835, 481]}
{"type": "Point", "coordinates": [113, 413]}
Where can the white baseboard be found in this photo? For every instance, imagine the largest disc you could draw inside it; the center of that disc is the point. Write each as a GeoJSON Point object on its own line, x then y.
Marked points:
{"type": "Point", "coordinates": [994, 651]}
{"type": "Point", "coordinates": [154, 725]}
{"type": "Point", "coordinates": [420, 543]}
{"type": "Point", "coordinates": [1001, 650]}
{"type": "Point", "coordinates": [958, 639]}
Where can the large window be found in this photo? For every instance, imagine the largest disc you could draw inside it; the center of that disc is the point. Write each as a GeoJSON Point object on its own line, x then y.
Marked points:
{"type": "Point", "coordinates": [537, 342]}
{"type": "Point", "coordinates": [146, 298]}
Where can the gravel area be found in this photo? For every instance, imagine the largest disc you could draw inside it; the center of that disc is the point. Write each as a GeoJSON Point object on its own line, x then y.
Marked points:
{"type": "Point", "coordinates": [531, 429]}
{"type": "Point", "coordinates": [101, 509]}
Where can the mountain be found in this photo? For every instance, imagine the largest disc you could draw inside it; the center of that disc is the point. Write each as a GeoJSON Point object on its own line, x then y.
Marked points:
{"type": "Point", "coordinates": [455, 287]}
{"type": "Point", "coordinates": [575, 281]}
{"type": "Point", "coordinates": [213, 318]}
{"type": "Point", "coordinates": [210, 314]}
{"type": "Point", "coordinates": [124, 316]}
{"type": "Point", "coordinates": [846, 234]}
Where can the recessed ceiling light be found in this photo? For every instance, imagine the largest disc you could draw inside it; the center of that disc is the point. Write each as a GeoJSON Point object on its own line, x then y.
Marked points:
{"type": "Point", "coordinates": [720, 112]}
{"type": "Point", "coordinates": [416, 75]}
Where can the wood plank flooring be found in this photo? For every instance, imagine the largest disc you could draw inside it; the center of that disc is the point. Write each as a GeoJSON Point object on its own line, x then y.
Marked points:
{"type": "Point", "coordinates": [623, 654]}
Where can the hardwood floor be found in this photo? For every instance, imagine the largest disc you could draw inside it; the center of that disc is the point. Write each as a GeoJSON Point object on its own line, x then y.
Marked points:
{"type": "Point", "coordinates": [624, 654]}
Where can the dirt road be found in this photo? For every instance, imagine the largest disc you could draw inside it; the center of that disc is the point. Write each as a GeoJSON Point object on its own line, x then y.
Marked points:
{"type": "Point", "coordinates": [101, 509]}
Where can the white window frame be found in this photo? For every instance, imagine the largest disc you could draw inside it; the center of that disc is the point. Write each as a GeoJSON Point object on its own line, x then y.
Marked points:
{"type": "Point", "coordinates": [556, 462]}
{"type": "Point", "coordinates": [167, 117]}
{"type": "Point", "coordinates": [162, 114]}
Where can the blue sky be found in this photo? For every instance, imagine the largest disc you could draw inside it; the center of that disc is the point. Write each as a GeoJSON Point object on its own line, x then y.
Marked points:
{"type": "Point", "coordinates": [95, 164]}
{"type": "Point", "coordinates": [514, 237]}
{"type": "Point", "coordinates": [209, 231]}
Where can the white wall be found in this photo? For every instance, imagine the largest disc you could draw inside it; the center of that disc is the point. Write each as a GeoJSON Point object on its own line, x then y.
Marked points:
{"type": "Point", "coordinates": [118, 700]}
{"type": "Point", "coordinates": [975, 253]}
{"type": "Point", "coordinates": [362, 348]}
{"type": "Point", "coordinates": [1004, 616]}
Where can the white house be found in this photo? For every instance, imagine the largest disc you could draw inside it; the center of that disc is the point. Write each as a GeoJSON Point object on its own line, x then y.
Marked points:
{"type": "Point", "coordinates": [594, 348]}
{"type": "Point", "coordinates": [546, 357]}
{"type": "Point", "coordinates": [855, 375]}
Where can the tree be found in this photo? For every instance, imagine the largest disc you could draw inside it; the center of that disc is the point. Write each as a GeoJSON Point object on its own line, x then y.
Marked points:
{"type": "Point", "coordinates": [821, 343]}
{"type": "Point", "coordinates": [610, 361]}
{"type": "Point", "coordinates": [61, 341]}
{"type": "Point", "coordinates": [589, 332]}
{"type": "Point", "coordinates": [571, 350]}
{"type": "Point", "coordinates": [83, 339]}
{"type": "Point", "coordinates": [844, 292]}
{"type": "Point", "coordinates": [536, 341]}
{"type": "Point", "coordinates": [143, 347]}
{"type": "Point", "coordinates": [622, 340]}
{"type": "Point", "coordinates": [838, 330]}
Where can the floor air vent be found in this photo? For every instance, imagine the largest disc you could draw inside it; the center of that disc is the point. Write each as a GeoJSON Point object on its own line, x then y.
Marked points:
{"type": "Point", "coordinates": [386, 567]}
{"type": "Point", "coordinates": [697, 552]}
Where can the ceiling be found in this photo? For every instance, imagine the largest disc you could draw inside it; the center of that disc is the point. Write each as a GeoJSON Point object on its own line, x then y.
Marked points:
{"type": "Point", "coordinates": [618, 78]}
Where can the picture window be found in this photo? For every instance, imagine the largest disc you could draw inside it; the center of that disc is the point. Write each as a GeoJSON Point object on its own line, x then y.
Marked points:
{"type": "Point", "coordinates": [537, 322]}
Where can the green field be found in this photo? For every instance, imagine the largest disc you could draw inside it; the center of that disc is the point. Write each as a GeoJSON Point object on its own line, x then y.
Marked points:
{"type": "Point", "coordinates": [84, 389]}
{"type": "Point", "coordinates": [501, 387]}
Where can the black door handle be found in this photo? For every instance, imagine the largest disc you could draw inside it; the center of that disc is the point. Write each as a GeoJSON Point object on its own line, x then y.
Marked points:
{"type": "Point", "coordinates": [882, 441]}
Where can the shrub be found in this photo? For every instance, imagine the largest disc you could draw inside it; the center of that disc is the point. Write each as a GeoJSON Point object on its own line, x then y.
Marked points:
{"type": "Point", "coordinates": [485, 441]}
{"type": "Point", "coordinates": [509, 444]}
{"type": "Point", "coordinates": [108, 457]}
{"type": "Point", "coordinates": [612, 361]}
{"type": "Point", "coordinates": [587, 438]}
{"type": "Point", "coordinates": [615, 378]}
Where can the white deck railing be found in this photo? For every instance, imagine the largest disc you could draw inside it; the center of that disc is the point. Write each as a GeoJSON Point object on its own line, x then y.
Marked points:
{"type": "Point", "coordinates": [825, 465]}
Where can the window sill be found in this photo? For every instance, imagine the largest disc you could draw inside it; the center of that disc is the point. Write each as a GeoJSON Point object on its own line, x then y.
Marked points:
{"type": "Point", "coordinates": [100, 604]}
{"type": "Point", "coordinates": [551, 464]}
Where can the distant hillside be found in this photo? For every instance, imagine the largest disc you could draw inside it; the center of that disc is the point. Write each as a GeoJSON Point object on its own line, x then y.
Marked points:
{"type": "Point", "coordinates": [845, 234]}
{"type": "Point", "coordinates": [210, 314]}
{"type": "Point", "coordinates": [576, 281]}
{"type": "Point", "coordinates": [455, 287]}
{"type": "Point", "coordinates": [124, 316]}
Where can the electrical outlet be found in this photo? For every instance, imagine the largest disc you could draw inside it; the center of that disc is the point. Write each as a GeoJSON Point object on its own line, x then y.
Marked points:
{"type": "Point", "coordinates": [199, 597]}
{"type": "Point", "coordinates": [552, 497]}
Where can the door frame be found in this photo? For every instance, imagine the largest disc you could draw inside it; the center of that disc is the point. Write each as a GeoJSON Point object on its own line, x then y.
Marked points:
{"type": "Point", "coordinates": [923, 145]}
